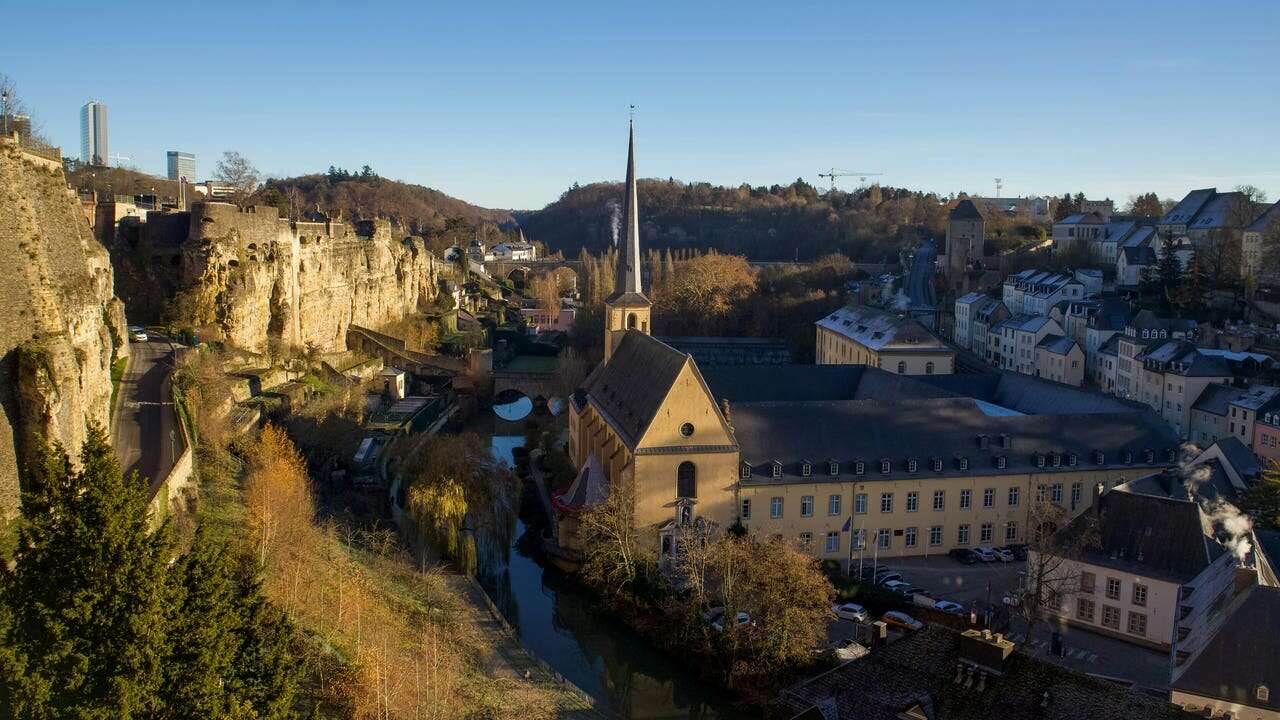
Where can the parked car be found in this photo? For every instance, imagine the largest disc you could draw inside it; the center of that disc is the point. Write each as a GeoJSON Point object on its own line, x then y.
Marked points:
{"type": "Point", "coordinates": [137, 333]}
{"type": "Point", "coordinates": [888, 578]}
{"type": "Point", "coordinates": [950, 606]}
{"type": "Point", "coordinates": [740, 619]}
{"type": "Point", "coordinates": [912, 591]}
{"type": "Point", "coordinates": [964, 555]}
{"type": "Point", "coordinates": [1019, 551]}
{"type": "Point", "coordinates": [1002, 555]}
{"type": "Point", "coordinates": [985, 554]}
{"type": "Point", "coordinates": [901, 620]}
{"type": "Point", "coordinates": [898, 586]}
{"type": "Point", "coordinates": [868, 572]}
{"type": "Point", "coordinates": [850, 611]}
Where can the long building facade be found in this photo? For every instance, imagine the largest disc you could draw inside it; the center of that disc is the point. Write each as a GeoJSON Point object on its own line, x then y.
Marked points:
{"type": "Point", "coordinates": [846, 460]}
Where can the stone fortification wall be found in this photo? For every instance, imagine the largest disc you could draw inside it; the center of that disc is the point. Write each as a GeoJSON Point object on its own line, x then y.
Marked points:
{"type": "Point", "coordinates": [60, 323]}
{"type": "Point", "coordinates": [256, 279]}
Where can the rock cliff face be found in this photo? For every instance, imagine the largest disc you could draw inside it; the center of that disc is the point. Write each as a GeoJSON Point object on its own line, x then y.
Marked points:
{"type": "Point", "coordinates": [60, 323]}
{"type": "Point", "coordinates": [257, 279]}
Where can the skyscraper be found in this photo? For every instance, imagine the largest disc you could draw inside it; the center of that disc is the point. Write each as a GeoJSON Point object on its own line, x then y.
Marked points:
{"type": "Point", "coordinates": [93, 133]}
{"type": "Point", "coordinates": [182, 165]}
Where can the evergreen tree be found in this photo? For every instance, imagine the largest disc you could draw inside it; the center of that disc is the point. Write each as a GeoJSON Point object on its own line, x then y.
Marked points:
{"type": "Point", "coordinates": [1193, 294]}
{"type": "Point", "coordinates": [1169, 269]}
{"type": "Point", "coordinates": [1262, 501]}
{"type": "Point", "coordinates": [85, 596]}
{"type": "Point", "coordinates": [204, 626]}
{"type": "Point", "coordinates": [266, 675]}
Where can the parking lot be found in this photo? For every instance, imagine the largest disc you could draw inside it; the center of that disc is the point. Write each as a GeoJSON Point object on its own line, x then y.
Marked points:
{"type": "Point", "coordinates": [1084, 651]}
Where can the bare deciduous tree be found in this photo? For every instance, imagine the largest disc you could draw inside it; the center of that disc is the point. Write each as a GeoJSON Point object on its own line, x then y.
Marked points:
{"type": "Point", "coordinates": [1053, 575]}
{"type": "Point", "coordinates": [236, 170]}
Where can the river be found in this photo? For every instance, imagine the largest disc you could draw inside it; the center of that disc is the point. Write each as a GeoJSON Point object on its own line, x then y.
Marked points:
{"type": "Point", "coordinates": [559, 623]}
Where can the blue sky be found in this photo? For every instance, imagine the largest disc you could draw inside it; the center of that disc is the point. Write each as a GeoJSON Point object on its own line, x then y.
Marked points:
{"type": "Point", "coordinates": [507, 104]}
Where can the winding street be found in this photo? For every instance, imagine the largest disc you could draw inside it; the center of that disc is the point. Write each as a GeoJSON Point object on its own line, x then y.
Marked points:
{"type": "Point", "coordinates": [144, 429]}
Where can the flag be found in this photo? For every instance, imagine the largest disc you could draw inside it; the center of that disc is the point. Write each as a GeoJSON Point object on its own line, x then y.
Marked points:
{"type": "Point", "coordinates": [848, 523]}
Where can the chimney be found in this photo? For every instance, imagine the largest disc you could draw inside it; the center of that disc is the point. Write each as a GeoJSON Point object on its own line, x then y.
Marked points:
{"type": "Point", "coordinates": [1098, 491]}
{"type": "Point", "coordinates": [985, 650]}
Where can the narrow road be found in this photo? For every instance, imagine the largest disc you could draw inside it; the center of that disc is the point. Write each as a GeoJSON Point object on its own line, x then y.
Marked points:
{"type": "Point", "coordinates": [144, 429]}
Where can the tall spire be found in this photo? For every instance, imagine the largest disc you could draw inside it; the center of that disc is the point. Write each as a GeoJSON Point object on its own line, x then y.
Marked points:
{"type": "Point", "coordinates": [629, 256]}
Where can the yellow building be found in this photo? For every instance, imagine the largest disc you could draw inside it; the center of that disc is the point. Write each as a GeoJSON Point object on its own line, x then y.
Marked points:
{"type": "Point", "coordinates": [831, 455]}
{"type": "Point", "coordinates": [862, 335]}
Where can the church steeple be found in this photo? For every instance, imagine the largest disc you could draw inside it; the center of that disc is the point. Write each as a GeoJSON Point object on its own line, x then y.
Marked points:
{"type": "Point", "coordinates": [629, 254]}
{"type": "Point", "coordinates": [627, 308]}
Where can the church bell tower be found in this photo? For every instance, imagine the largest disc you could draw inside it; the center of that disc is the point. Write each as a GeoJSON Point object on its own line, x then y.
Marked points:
{"type": "Point", "coordinates": [627, 308]}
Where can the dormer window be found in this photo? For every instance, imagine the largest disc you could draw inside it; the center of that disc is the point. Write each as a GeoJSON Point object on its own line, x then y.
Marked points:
{"type": "Point", "coordinates": [1099, 457]}
{"type": "Point", "coordinates": [1171, 455]}
{"type": "Point", "coordinates": [1006, 441]}
{"type": "Point", "coordinates": [1149, 455]}
{"type": "Point", "coordinates": [1073, 459]}
{"type": "Point", "coordinates": [806, 469]}
{"type": "Point", "coordinates": [983, 442]}
{"type": "Point", "coordinates": [1262, 693]}
{"type": "Point", "coordinates": [859, 467]}
{"type": "Point", "coordinates": [744, 471]}
{"type": "Point", "coordinates": [884, 465]}
{"type": "Point", "coordinates": [1039, 460]}
{"type": "Point", "coordinates": [937, 464]}
{"type": "Point", "coordinates": [1127, 456]}
{"type": "Point", "coordinates": [962, 462]}
{"type": "Point", "coordinates": [1002, 462]}
{"type": "Point", "coordinates": [833, 468]}
{"type": "Point", "coordinates": [1057, 459]}
{"type": "Point", "coordinates": [912, 465]}
{"type": "Point", "coordinates": [777, 469]}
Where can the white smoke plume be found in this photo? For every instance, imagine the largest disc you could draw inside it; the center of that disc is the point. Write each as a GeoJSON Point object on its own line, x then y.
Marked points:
{"type": "Point", "coordinates": [615, 219]}
{"type": "Point", "coordinates": [901, 301]}
{"type": "Point", "coordinates": [1225, 518]}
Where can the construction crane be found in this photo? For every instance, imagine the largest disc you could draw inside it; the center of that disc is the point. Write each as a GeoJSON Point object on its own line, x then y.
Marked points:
{"type": "Point", "coordinates": [834, 173]}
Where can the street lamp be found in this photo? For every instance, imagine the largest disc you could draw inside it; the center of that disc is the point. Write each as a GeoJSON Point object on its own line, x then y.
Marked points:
{"type": "Point", "coordinates": [4, 96]}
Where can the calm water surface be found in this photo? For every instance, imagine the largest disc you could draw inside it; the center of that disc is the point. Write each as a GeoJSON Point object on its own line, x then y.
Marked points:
{"type": "Point", "coordinates": [559, 624]}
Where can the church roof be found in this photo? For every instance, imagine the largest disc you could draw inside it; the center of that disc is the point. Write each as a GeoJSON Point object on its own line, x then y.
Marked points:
{"type": "Point", "coordinates": [632, 385]}
{"type": "Point", "coordinates": [629, 289]}
{"type": "Point", "coordinates": [1239, 658]}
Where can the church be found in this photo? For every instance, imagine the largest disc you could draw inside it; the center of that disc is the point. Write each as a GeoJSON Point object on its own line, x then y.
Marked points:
{"type": "Point", "coordinates": [842, 459]}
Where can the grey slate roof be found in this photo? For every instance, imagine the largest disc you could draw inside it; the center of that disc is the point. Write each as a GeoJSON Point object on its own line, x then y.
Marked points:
{"type": "Point", "coordinates": [1180, 357]}
{"type": "Point", "coordinates": [1188, 207]}
{"type": "Point", "coordinates": [868, 430]}
{"type": "Point", "coordinates": [1112, 314]}
{"type": "Point", "coordinates": [1242, 459]}
{"type": "Point", "coordinates": [880, 330]}
{"type": "Point", "coordinates": [965, 210]}
{"type": "Point", "coordinates": [1031, 395]}
{"type": "Point", "coordinates": [1111, 346]}
{"type": "Point", "coordinates": [1242, 655]}
{"type": "Point", "coordinates": [920, 670]}
{"type": "Point", "coordinates": [1151, 528]}
{"type": "Point", "coordinates": [1141, 236]}
{"type": "Point", "coordinates": [630, 387]}
{"type": "Point", "coordinates": [1056, 344]}
{"type": "Point", "coordinates": [1268, 216]}
{"type": "Point", "coordinates": [1219, 212]}
{"type": "Point", "coordinates": [1215, 399]}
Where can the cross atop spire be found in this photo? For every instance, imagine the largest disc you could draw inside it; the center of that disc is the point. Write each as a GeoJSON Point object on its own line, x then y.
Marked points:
{"type": "Point", "coordinates": [628, 280]}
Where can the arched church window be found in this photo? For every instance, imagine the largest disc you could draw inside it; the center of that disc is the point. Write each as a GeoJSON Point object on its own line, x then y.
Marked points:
{"type": "Point", "coordinates": [631, 321]}
{"type": "Point", "coordinates": [902, 368]}
{"type": "Point", "coordinates": [928, 368]}
{"type": "Point", "coordinates": [686, 481]}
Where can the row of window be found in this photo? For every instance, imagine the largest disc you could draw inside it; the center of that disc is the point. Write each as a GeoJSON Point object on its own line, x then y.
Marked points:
{"type": "Point", "coordinates": [1113, 588]}
{"type": "Point", "coordinates": [1053, 493]}
{"type": "Point", "coordinates": [1086, 610]}
{"type": "Point", "coordinates": [962, 463]}
{"type": "Point", "coordinates": [911, 536]}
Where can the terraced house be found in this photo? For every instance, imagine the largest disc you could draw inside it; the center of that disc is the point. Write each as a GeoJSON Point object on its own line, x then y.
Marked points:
{"type": "Point", "coordinates": [840, 458]}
